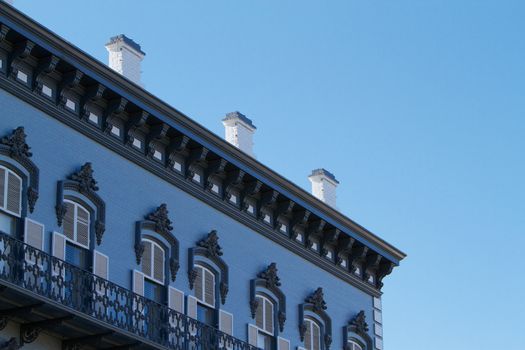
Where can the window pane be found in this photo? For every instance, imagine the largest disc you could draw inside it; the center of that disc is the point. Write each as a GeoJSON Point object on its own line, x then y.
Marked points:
{"type": "Point", "coordinates": [77, 256]}
{"type": "Point", "coordinates": [2, 187]}
{"type": "Point", "coordinates": [209, 282]}
{"type": "Point", "coordinates": [268, 315]}
{"type": "Point", "coordinates": [316, 337]}
{"type": "Point", "coordinates": [206, 315]}
{"type": "Point", "coordinates": [14, 193]}
{"type": "Point", "coordinates": [82, 226]}
{"type": "Point", "coordinates": [198, 284]}
{"type": "Point", "coordinates": [7, 224]}
{"type": "Point", "coordinates": [68, 222]}
{"type": "Point", "coordinates": [146, 259]}
{"type": "Point", "coordinates": [158, 263]}
{"type": "Point", "coordinates": [259, 322]}
{"type": "Point", "coordinates": [264, 341]}
{"type": "Point", "coordinates": [308, 335]}
{"type": "Point", "coordinates": [153, 291]}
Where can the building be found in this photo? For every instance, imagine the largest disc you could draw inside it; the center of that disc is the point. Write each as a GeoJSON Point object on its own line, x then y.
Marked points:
{"type": "Point", "coordinates": [127, 225]}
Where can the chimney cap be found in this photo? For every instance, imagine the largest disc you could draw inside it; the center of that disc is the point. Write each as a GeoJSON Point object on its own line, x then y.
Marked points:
{"type": "Point", "coordinates": [238, 115]}
{"type": "Point", "coordinates": [324, 172]}
{"type": "Point", "coordinates": [126, 40]}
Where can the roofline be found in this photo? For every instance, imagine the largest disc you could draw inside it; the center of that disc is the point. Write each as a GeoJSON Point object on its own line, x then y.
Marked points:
{"type": "Point", "coordinates": [142, 97]}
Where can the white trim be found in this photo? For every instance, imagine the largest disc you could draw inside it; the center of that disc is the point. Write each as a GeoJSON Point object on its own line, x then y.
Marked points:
{"type": "Point", "coordinates": [263, 308]}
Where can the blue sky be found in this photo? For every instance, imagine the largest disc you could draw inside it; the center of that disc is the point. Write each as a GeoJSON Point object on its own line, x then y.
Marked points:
{"type": "Point", "coordinates": [416, 106]}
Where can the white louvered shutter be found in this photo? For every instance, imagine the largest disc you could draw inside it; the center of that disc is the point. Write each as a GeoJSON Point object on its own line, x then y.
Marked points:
{"type": "Point", "coordinates": [146, 259]}
{"type": "Point", "coordinates": [59, 246]}
{"type": "Point", "coordinates": [14, 194]}
{"type": "Point", "coordinates": [100, 269]}
{"type": "Point", "coordinates": [158, 264]}
{"type": "Point", "coordinates": [268, 316]}
{"type": "Point", "coordinates": [259, 317]}
{"type": "Point", "coordinates": [308, 335]}
{"type": "Point", "coordinates": [209, 288]}
{"type": "Point", "coordinates": [191, 307]}
{"type": "Point", "coordinates": [198, 283]}
{"type": "Point", "coordinates": [69, 221]}
{"type": "Point", "coordinates": [283, 344]}
{"type": "Point", "coordinates": [82, 226]}
{"type": "Point", "coordinates": [138, 282]}
{"type": "Point", "coordinates": [100, 264]}
{"type": "Point", "coordinates": [252, 335]}
{"type": "Point", "coordinates": [2, 187]}
{"type": "Point", "coordinates": [316, 339]}
{"type": "Point", "coordinates": [176, 299]}
{"type": "Point", "coordinates": [225, 322]}
{"type": "Point", "coordinates": [33, 236]}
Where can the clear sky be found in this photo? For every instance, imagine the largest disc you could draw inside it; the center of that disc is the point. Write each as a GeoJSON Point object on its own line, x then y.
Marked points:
{"type": "Point", "coordinates": [416, 106]}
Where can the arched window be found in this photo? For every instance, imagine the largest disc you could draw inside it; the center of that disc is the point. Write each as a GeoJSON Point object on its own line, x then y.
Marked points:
{"type": "Point", "coordinates": [208, 277]}
{"type": "Point", "coordinates": [355, 333]}
{"type": "Point", "coordinates": [10, 200]}
{"type": "Point", "coordinates": [153, 266]}
{"type": "Point", "coordinates": [77, 231]}
{"type": "Point", "coordinates": [312, 334]}
{"type": "Point", "coordinates": [352, 344]}
{"type": "Point", "coordinates": [268, 308]}
{"type": "Point", "coordinates": [264, 320]}
{"type": "Point", "coordinates": [204, 289]}
{"type": "Point", "coordinates": [315, 326]}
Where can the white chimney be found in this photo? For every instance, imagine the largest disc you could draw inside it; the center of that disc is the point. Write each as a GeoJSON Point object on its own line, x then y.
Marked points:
{"type": "Point", "coordinates": [125, 56]}
{"type": "Point", "coordinates": [324, 186]}
{"type": "Point", "coordinates": [239, 130]}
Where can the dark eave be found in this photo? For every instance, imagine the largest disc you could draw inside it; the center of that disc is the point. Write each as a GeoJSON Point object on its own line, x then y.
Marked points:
{"type": "Point", "coordinates": [93, 81]}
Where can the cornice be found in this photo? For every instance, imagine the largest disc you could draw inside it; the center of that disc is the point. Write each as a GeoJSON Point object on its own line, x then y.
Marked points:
{"type": "Point", "coordinates": [173, 120]}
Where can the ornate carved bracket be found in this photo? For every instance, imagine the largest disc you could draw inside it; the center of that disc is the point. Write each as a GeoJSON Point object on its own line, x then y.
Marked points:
{"type": "Point", "coordinates": [69, 81]}
{"type": "Point", "coordinates": [211, 245]}
{"type": "Point", "coordinates": [85, 179]}
{"type": "Point", "coordinates": [45, 66]}
{"type": "Point", "coordinates": [21, 51]}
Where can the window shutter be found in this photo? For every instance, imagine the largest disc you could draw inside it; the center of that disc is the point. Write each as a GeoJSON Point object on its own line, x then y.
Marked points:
{"type": "Point", "coordinates": [316, 337]}
{"type": "Point", "coordinates": [300, 348]}
{"type": "Point", "coordinates": [100, 264]}
{"type": "Point", "coordinates": [308, 335]}
{"type": "Point", "coordinates": [158, 263]}
{"type": "Point", "coordinates": [198, 283]}
{"type": "Point", "coordinates": [14, 194]}
{"type": "Point", "coordinates": [69, 221]}
{"type": "Point", "coordinates": [283, 344]}
{"type": "Point", "coordinates": [259, 313]}
{"type": "Point", "coordinates": [138, 282]}
{"type": "Point", "coordinates": [59, 246]}
{"type": "Point", "coordinates": [2, 188]}
{"type": "Point", "coordinates": [34, 234]}
{"type": "Point", "coordinates": [176, 299]}
{"type": "Point", "coordinates": [268, 316]}
{"type": "Point", "coordinates": [191, 304]}
{"type": "Point", "coordinates": [209, 283]}
{"type": "Point", "coordinates": [146, 259]}
{"type": "Point", "coordinates": [82, 226]}
{"type": "Point", "coordinates": [225, 322]}
{"type": "Point", "coordinates": [252, 335]}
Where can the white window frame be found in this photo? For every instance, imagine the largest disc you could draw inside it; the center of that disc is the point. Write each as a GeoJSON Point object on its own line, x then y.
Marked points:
{"type": "Point", "coordinates": [263, 308]}
{"type": "Point", "coordinates": [3, 206]}
{"type": "Point", "coordinates": [152, 262]}
{"type": "Point", "coordinates": [75, 218]}
{"type": "Point", "coordinates": [201, 299]}
{"type": "Point", "coordinates": [310, 323]}
{"type": "Point", "coordinates": [354, 345]}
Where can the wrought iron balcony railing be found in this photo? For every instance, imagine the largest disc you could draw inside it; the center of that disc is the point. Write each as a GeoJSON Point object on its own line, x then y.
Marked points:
{"type": "Point", "coordinates": [71, 287]}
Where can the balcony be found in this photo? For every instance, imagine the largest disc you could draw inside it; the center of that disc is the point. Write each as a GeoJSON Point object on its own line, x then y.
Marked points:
{"type": "Point", "coordinates": [43, 293]}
